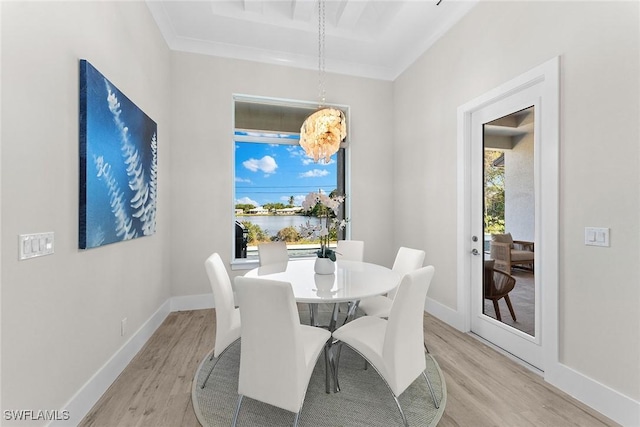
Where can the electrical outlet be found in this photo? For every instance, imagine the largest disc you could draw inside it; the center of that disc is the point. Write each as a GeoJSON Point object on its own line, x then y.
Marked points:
{"type": "Point", "coordinates": [123, 327]}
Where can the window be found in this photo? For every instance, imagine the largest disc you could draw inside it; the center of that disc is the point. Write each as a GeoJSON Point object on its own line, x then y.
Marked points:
{"type": "Point", "coordinates": [273, 175]}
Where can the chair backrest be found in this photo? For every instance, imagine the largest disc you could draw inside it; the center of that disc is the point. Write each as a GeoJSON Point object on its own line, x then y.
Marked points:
{"type": "Point", "coordinates": [226, 331]}
{"type": "Point", "coordinates": [272, 356]}
{"type": "Point", "coordinates": [499, 285]}
{"type": "Point", "coordinates": [272, 252]}
{"type": "Point", "coordinates": [350, 250]}
{"type": "Point", "coordinates": [489, 265]}
{"type": "Point", "coordinates": [407, 260]}
{"type": "Point", "coordinates": [403, 348]}
{"type": "Point", "coordinates": [503, 238]}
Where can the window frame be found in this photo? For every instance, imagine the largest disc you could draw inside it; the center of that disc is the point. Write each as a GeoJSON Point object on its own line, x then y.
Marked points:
{"type": "Point", "coordinates": [343, 160]}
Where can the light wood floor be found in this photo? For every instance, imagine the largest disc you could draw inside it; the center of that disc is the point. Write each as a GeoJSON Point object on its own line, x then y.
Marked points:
{"type": "Point", "coordinates": [484, 387]}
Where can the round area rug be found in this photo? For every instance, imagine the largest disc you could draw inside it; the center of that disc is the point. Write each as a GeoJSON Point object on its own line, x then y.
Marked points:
{"type": "Point", "coordinates": [364, 399]}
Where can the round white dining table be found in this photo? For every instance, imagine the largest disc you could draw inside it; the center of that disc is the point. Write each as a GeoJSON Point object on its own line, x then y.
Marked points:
{"type": "Point", "coordinates": [351, 281]}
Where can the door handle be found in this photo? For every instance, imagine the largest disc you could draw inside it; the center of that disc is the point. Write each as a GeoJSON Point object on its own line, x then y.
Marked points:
{"type": "Point", "coordinates": [475, 252]}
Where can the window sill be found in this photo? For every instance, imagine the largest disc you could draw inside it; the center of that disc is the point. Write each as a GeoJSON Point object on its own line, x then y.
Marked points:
{"type": "Point", "coordinates": [244, 264]}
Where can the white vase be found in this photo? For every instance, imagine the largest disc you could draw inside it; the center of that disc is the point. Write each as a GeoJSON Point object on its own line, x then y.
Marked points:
{"type": "Point", "coordinates": [324, 266]}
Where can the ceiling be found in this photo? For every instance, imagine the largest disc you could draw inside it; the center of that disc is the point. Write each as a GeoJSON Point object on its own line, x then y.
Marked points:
{"type": "Point", "coordinates": [505, 133]}
{"type": "Point", "coordinates": [366, 38]}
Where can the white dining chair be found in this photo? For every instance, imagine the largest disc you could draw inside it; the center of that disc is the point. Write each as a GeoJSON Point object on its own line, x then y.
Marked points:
{"type": "Point", "coordinates": [350, 250]}
{"type": "Point", "coordinates": [407, 260]}
{"type": "Point", "coordinates": [272, 253]}
{"type": "Point", "coordinates": [393, 346]}
{"type": "Point", "coordinates": [227, 315]}
{"type": "Point", "coordinates": [278, 354]}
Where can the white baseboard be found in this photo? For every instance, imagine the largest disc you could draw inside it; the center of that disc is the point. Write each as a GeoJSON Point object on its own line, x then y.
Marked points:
{"type": "Point", "coordinates": [445, 314]}
{"type": "Point", "coordinates": [610, 403]}
{"type": "Point", "coordinates": [84, 399]}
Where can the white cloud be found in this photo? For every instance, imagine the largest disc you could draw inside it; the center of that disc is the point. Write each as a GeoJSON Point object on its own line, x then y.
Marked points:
{"type": "Point", "coordinates": [295, 150]}
{"type": "Point", "coordinates": [247, 201]}
{"type": "Point", "coordinates": [308, 160]}
{"type": "Point", "coordinates": [267, 164]}
{"type": "Point", "coordinates": [238, 179]}
{"type": "Point", "coordinates": [297, 199]}
{"type": "Point", "coordinates": [315, 173]}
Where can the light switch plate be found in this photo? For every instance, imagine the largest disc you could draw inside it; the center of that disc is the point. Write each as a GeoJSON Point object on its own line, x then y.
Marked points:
{"type": "Point", "coordinates": [35, 245]}
{"type": "Point", "coordinates": [596, 236]}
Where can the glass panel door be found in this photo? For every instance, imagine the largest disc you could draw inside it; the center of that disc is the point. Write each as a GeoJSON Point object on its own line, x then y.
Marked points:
{"type": "Point", "coordinates": [509, 220]}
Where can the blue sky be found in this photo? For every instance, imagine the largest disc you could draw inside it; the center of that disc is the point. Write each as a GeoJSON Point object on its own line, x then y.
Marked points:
{"type": "Point", "coordinates": [272, 173]}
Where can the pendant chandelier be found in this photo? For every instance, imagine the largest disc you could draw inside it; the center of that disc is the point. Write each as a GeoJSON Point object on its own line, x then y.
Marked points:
{"type": "Point", "coordinates": [324, 130]}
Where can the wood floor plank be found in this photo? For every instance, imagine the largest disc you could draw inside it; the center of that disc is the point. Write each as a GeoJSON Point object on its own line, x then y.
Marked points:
{"type": "Point", "coordinates": [155, 389]}
{"type": "Point", "coordinates": [484, 388]}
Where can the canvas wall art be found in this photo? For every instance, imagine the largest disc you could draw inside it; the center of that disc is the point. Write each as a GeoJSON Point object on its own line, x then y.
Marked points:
{"type": "Point", "coordinates": [118, 164]}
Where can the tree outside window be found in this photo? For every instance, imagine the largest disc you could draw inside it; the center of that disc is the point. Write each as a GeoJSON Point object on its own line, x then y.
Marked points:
{"type": "Point", "coordinates": [493, 192]}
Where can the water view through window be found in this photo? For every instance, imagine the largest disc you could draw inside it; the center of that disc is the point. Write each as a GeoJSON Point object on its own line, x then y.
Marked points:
{"type": "Point", "coordinates": [273, 175]}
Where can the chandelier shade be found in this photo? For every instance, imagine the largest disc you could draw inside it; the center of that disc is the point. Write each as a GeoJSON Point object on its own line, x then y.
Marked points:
{"type": "Point", "coordinates": [322, 132]}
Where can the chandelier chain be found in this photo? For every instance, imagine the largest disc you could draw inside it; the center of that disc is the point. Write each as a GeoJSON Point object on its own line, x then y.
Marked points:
{"type": "Point", "coordinates": [321, 49]}
{"type": "Point", "coordinates": [322, 132]}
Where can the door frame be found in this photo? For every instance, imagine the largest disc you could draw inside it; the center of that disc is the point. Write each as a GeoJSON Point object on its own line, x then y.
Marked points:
{"type": "Point", "coordinates": [522, 345]}
{"type": "Point", "coordinates": [547, 76]}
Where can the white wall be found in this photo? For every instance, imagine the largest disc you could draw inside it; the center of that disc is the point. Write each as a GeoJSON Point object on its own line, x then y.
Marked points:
{"type": "Point", "coordinates": [202, 156]}
{"type": "Point", "coordinates": [519, 214]}
{"type": "Point", "coordinates": [61, 313]}
{"type": "Point", "coordinates": [599, 161]}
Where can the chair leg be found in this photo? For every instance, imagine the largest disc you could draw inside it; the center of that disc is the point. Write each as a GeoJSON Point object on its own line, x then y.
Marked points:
{"type": "Point", "coordinates": [336, 364]}
{"type": "Point", "coordinates": [395, 398]}
{"type": "Point", "coordinates": [351, 312]}
{"type": "Point", "coordinates": [313, 313]}
{"type": "Point", "coordinates": [508, 300]}
{"type": "Point", "coordinates": [327, 370]}
{"type": "Point", "coordinates": [497, 310]}
{"type": "Point", "coordinates": [334, 317]}
{"type": "Point", "coordinates": [209, 374]}
{"type": "Point", "coordinates": [404, 418]}
{"type": "Point", "coordinates": [216, 362]}
{"type": "Point", "coordinates": [235, 415]}
{"type": "Point", "coordinates": [295, 420]}
{"type": "Point", "coordinates": [433, 394]}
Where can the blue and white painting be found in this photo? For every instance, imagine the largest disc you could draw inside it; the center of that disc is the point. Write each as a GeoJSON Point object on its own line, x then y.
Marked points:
{"type": "Point", "coordinates": [118, 164]}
